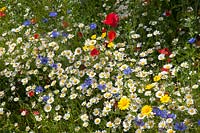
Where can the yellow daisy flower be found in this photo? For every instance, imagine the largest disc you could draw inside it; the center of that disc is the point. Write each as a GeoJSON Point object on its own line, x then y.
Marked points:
{"type": "Point", "coordinates": [146, 110]}
{"type": "Point", "coordinates": [157, 78]}
{"type": "Point", "coordinates": [165, 99]}
{"type": "Point", "coordinates": [124, 103]}
{"type": "Point", "coordinates": [93, 37]}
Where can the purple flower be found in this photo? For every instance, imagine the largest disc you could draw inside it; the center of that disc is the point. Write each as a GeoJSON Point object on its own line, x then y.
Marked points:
{"type": "Point", "coordinates": [127, 71]}
{"type": "Point", "coordinates": [86, 83]}
{"type": "Point", "coordinates": [93, 26]}
{"type": "Point", "coordinates": [55, 34]}
{"type": "Point", "coordinates": [27, 23]}
{"type": "Point", "coordinates": [163, 113]}
{"type": "Point", "coordinates": [65, 34]}
{"type": "Point", "coordinates": [45, 98]}
{"type": "Point", "coordinates": [101, 87]}
{"type": "Point", "coordinates": [180, 126]}
{"type": "Point", "coordinates": [53, 14]}
{"type": "Point", "coordinates": [173, 116]}
{"type": "Point", "coordinates": [192, 40]}
{"type": "Point", "coordinates": [139, 122]}
{"type": "Point", "coordinates": [54, 65]}
{"type": "Point", "coordinates": [39, 89]}
{"type": "Point", "coordinates": [44, 20]}
{"type": "Point", "coordinates": [198, 122]}
{"type": "Point", "coordinates": [44, 60]}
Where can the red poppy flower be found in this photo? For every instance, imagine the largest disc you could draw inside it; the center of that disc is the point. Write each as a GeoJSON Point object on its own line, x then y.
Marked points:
{"type": "Point", "coordinates": [2, 14]}
{"type": "Point", "coordinates": [164, 51]}
{"type": "Point", "coordinates": [36, 36]}
{"type": "Point", "coordinates": [31, 93]}
{"type": "Point", "coordinates": [164, 69]}
{"type": "Point", "coordinates": [112, 19]}
{"type": "Point", "coordinates": [94, 52]}
{"type": "Point", "coordinates": [111, 35]}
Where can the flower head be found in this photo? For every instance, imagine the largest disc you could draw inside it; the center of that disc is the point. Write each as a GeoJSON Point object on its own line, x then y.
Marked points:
{"type": "Point", "coordinates": [53, 14]}
{"type": "Point", "coordinates": [124, 103]}
{"type": "Point", "coordinates": [112, 19]}
{"type": "Point", "coordinates": [157, 78]}
{"type": "Point", "coordinates": [93, 26]}
{"type": "Point", "coordinates": [180, 126]}
{"type": "Point", "coordinates": [94, 52]}
{"type": "Point", "coordinates": [146, 110]}
{"type": "Point", "coordinates": [111, 35]}
{"type": "Point", "coordinates": [192, 40]}
{"type": "Point", "coordinates": [165, 99]}
{"type": "Point", "coordinates": [27, 23]}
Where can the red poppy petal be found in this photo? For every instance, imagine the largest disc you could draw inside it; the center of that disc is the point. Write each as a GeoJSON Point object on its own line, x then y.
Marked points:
{"type": "Point", "coordinates": [111, 35]}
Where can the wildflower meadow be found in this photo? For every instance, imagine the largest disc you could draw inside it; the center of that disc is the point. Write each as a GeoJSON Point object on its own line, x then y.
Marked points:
{"type": "Point", "coordinates": [99, 66]}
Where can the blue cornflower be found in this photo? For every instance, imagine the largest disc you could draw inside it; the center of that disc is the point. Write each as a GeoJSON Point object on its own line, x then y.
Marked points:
{"type": "Point", "coordinates": [44, 60]}
{"type": "Point", "coordinates": [173, 116]}
{"type": "Point", "coordinates": [180, 126]}
{"type": "Point", "coordinates": [156, 111]}
{"type": "Point", "coordinates": [53, 14]}
{"type": "Point", "coordinates": [93, 26]}
{"type": "Point", "coordinates": [44, 20]}
{"type": "Point", "coordinates": [27, 23]}
{"type": "Point", "coordinates": [101, 87]}
{"type": "Point", "coordinates": [127, 71]}
{"type": "Point", "coordinates": [55, 34]}
{"type": "Point", "coordinates": [192, 40]}
{"type": "Point", "coordinates": [163, 113]}
{"type": "Point", "coordinates": [54, 65]}
{"type": "Point", "coordinates": [86, 83]}
{"type": "Point", "coordinates": [45, 98]}
{"type": "Point", "coordinates": [39, 89]}
{"type": "Point", "coordinates": [65, 34]}
{"type": "Point", "coordinates": [139, 122]}
{"type": "Point", "coordinates": [198, 122]}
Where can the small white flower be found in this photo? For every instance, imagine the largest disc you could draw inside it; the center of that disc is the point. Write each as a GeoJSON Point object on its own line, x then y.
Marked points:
{"type": "Point", "coordinates": [47, 108]}
{"type": "Point", "coordinates": [161, 57]}
{"type": "Point", "coordinates": [97, 121]}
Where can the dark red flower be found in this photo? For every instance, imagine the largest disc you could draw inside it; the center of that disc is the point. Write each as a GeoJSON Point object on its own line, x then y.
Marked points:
{"type": "Point", "coordinates": [167, 13]}
{"type": "Point", "coordinates": [168, 60]}
{"type": "Point", "coordinates": [33, 21]}
{"type": "Point", "coordinates": [31, 93]}
{"type": "Point", "coordinates": [2, 14]}
{"type": "Point", "coordinates": [65, 24]}
{"type": "Point", "coordinates": [103, 30]}
{"type": "Point", "coordinates": [80, 35]}
{"type": "Point", "coordinates": [94, 52]}
{"type": "Point", "coordinates": [36, 36]}
{"type": "Point", "coordinates": [112, 19]}
{"type": "Point", "coordinates": [111, 35]}
{"type": "Point", "coordinates": [24, 112]}
{"type": "Point", "coordinates": [164, 51]}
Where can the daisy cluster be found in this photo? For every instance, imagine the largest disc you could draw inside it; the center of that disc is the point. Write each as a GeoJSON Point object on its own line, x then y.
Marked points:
{"type": "Point", "coordinates": [106, 84]}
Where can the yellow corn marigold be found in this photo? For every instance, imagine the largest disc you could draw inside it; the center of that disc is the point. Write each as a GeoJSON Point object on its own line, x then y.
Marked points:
{"type": "Point", "coordinates": [124, 103]}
